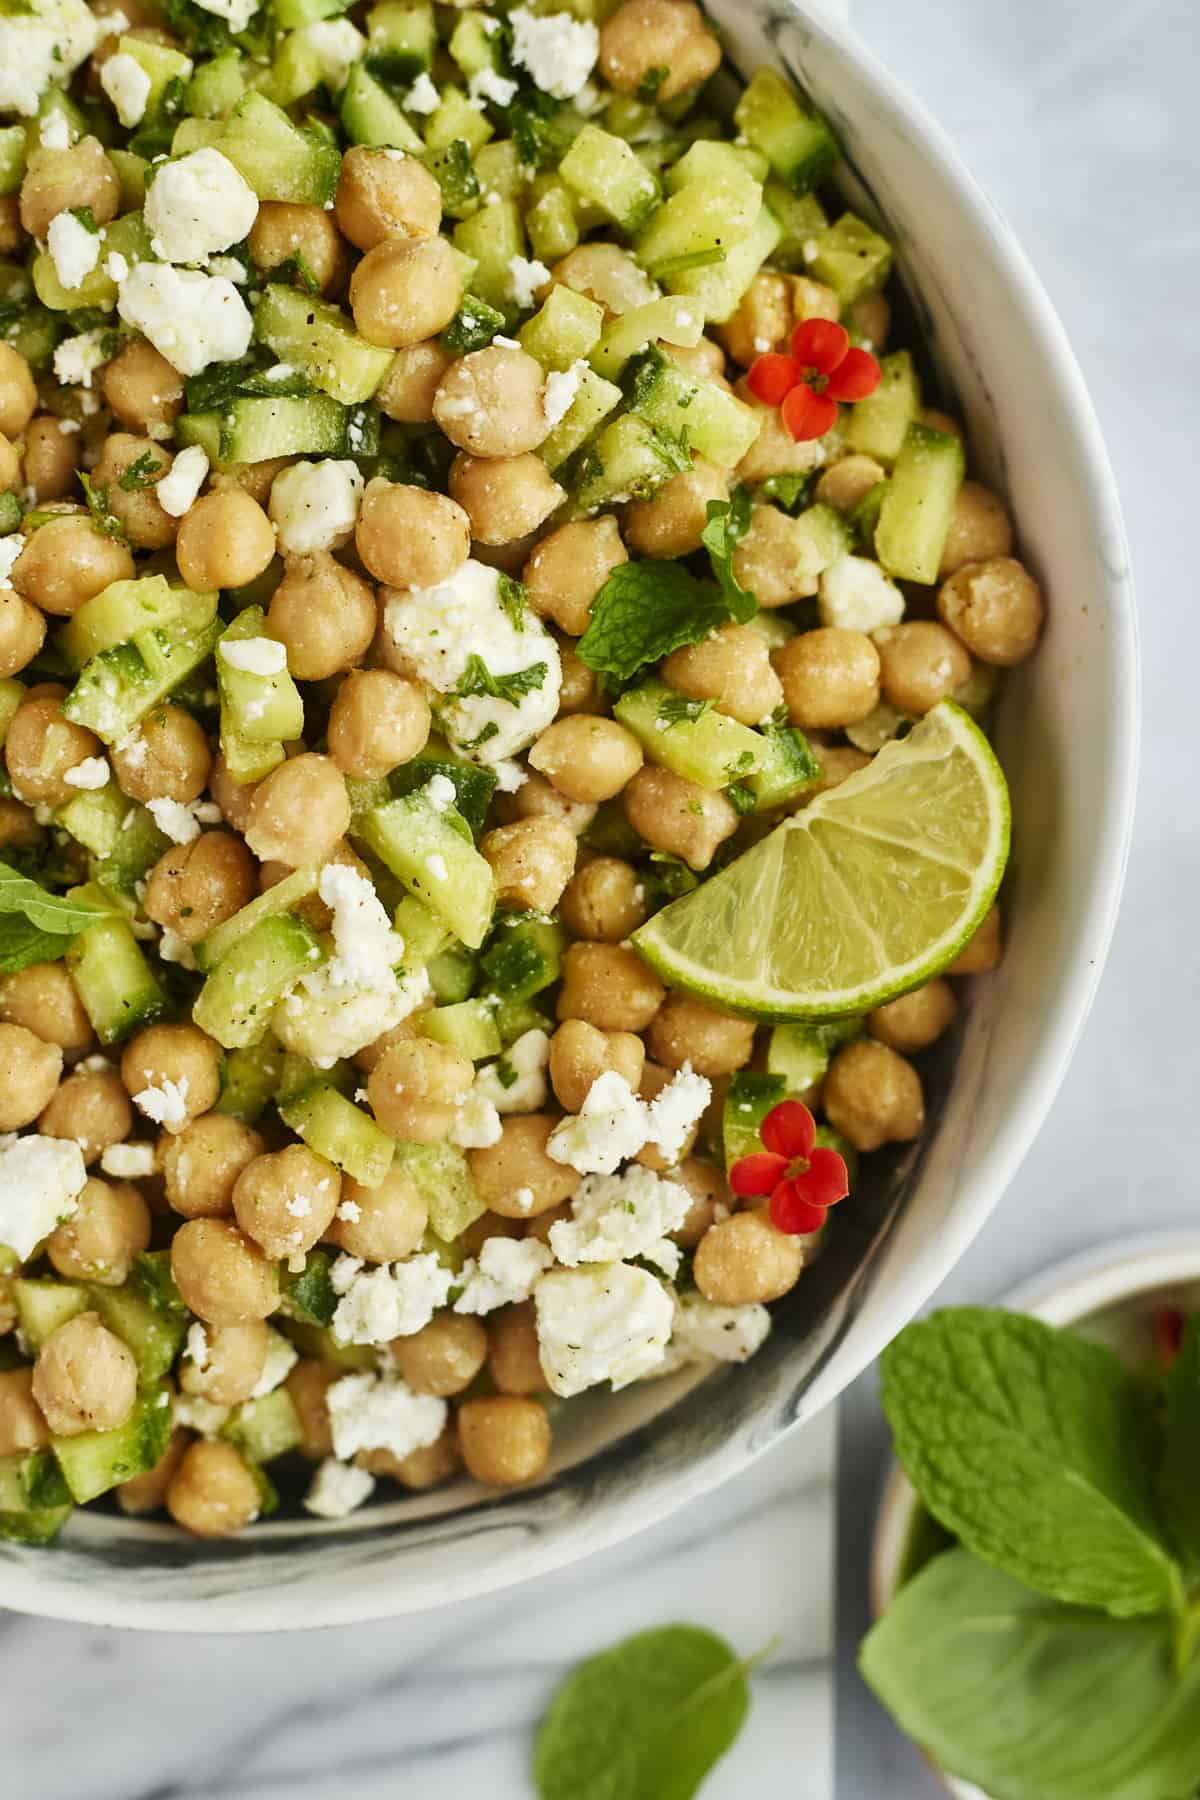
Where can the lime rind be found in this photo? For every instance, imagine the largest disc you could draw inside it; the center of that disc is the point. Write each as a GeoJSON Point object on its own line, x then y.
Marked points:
{"type": "Point", "coordinates": [869, 892]}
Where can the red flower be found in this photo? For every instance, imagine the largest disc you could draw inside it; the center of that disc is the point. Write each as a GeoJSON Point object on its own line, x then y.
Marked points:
{"type": "Point", "coordinates": [802, 1180]}
{"type": "Point", "coordinates": [823, 368]}
{"type": "Point", "coordinates": [1167, 1325]}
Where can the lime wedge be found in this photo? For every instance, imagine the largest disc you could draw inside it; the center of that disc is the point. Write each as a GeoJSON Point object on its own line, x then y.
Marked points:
{"type": "Point", "coordinates": [865, 894]}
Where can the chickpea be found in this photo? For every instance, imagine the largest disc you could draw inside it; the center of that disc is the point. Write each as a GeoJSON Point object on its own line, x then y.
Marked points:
{"type": "Point", "coordinates": [425, 1468]}
{"type": "Point", "coordinates": [225, 540]}
{"type": "Point", "coordinates": [645, 35]}
{"type": "Point", "coordinates": [98, 1242]}
{"type": "Point", "coordinates": [382, 194]}
{"type": "Point", "coordinates": [43, 999]}
{"type": "Point", "coordinates": [29, 1072]}
{"type": "Point", "coordinates": [504, 497]}
{"type": "Point", "coordinates": [513, 1361]}
{"type": "Point", "coordinates": [166, 757]}
{"type": "Point", "coordinates": [42, 747]}
{"type": "Point", "coordinates": [405, 290]}
{"type": "Point", "coordinates": [579, 1055]}
{"type": "Point", "coordinates": [995, 607]}
{"type": "Point", "coordinates": [147, 1493]}
{"type": "Point", "coordinates": [409, 537]}
{"type": "Point", "coordinates": [532, 862]}
{"type": "Point", "coordinates": [378, 721]}
{"type": "Point", "coordinates": [12, 232]}
{"type": "Point", "coordinates": [844, 483]}
{"type": "Point", "coordinates": [708, 1189]}
{"type": "Point", "coordinates": [51, 458]}
{"type": "Point", "coordinates": [92, 1108]}
{"type": "Point", "coordinates": [323, 614]}
{"type": "Point", "coordinates": [669, 524]}
{"type": "Point", "coordinates": [505, 1439]}
{"type": "Point", "coordinates": [415, 1088]}
{"type": "Point", "coordinates": [764, 317]}
{"type": "Point", "coordinates": [706, 359]}
{"type": "Point", "coordinates": [407, 390]}
{"type": "Point", "coordinates": [233, 797]}
{"type": "Point", "coordinates": [18, 392]}
{"type": "Point", "coordinates": [872, 315]}
{"type": "Point", "coordinates": [518, 1166]}
{"type": "Point", "coordinates": [308, 1382]}
{"type": "Point", "coordinates": [732, 667]}
{"type": "Point", "coordinates": [85, 1378]}
{"type": "Point", "coordinates": [609, 987]}
{"type": "Point", "coordinates": [569, 567]}
{"type": "Point", "coordinates": [872, 1096]}
{"type": "Point", "coordinates": [19, 830]}
{"type": "Point", "coordinates": [776, 560]}
{"type": "Point", "coordinates": [537, 799]}
{"type": "Point", "coordinates": [299, 812]}
{"type": "Point", "coordinates": [688, 1031]}
{"type": "Point", "coordinates": [147, 524]}
{"type": "Point", "coordinates": [194, 887]}
{"type": "Point", "coordinates": [587, 759]}
{"type": "Point", "coordinates": [212, 1493]}
{"type": "Point", "coordinates": [980, 529]}
{"type": "Point", "coordinates": [490, 402]}
{"type": "Point", "coordinates": [22, 1426]}
{"type": "Point", "coordinates": [142, 388]}
{"type": "Point", "coordinates": [920, 663]}
{"type": "Point", "coordinates": [838, 761]}
{"type": "Point", "coordinates": [936, 420]}
{"type": "Point", "coordinates": [201, 1164]}
{"type": "Point", "coordinates": [222, 1275]}
{"type": "Point", "coordinates": [981, 953]}
{"type": "Point", "coordinates": [744, 1259]}
{"type": "Point", "coordinates": [603, 901]}
{"type": "Point", "coordinates": [677, 816]}
{"type": "Point", "coordinates": [915, 1020]}
{"type": "Point", "coordinates": [444, 1357]}
{"type": "Point", "coordinates": [774, 451]}
{"type": "Point", "coordinates": [606, 274]}
{"type": "Point", "coordinates": [257, 479]}
{"type": "Point", "coordinates": [231, 1364]}
{"type": "Point", "coordinates": [285, 229]}
{"type": "Point", "coordinates": [180, 1060]}
{"type": "Point", "coordinates": [66, 562]}
{"type": "Point", "coordinates": [390, 1219]}
{"type": "Point", "coordinates": [286, 1199]}
{"type": "Point", "coordinates": [22, 632]}
{"type": "Point", "coordinates": [10, 460]}
{"type": "Point", "coordinates": [57, 179]}
{"type": "Point", "coordinates": [830, 677]}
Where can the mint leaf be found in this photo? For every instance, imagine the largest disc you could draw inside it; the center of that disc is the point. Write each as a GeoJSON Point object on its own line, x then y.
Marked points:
{"type": "Point", "coordinates": [1029, 1699]}
{"type": "Point", "coordinates": [513, 600]}
{"type": "Point", "coordinates": [103, 518]}
{"type": "Point", "coordinates": [1036, 1449]}
{"type": "Point", "coordinates": [477, 678]}
{"type": "Point", "coordinates": [728, 523]}
{"type": "Point", "coordinates": [645, 1720]}
{"type": "Point", "coordinates": [677, 709]}
{"type": "Point", "coordinates": [143, 472]}
{"type": "Point", "coordinates": [1180, 1479]}
{"type": "Point", "coordinates": [52, 913]}
{"type": "Point", "coordinates": [22, 944]}
{"type": "Point", "coordinates": [643, 612]}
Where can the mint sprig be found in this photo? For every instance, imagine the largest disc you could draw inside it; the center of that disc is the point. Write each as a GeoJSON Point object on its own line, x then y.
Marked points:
{"type": "Point", "coordinates": [728, 523]}
{"type": "Point", "coordinates": [36, 926]}
{"type": "Point", "coordinates": [477, 679]}
{"type": "Point", "coordinates": [643, 612]}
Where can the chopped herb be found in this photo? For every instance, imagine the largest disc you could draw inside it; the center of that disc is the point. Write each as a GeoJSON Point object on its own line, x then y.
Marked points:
{"type": "Point", "coordinates": [142, 473]}
{"type": "Point", "coordinates": [296, 269]}
{"type": "Point", "coordinates": [513, 599]}
{"type": "Point", "coordinates": [740, 798]}
{"type": "Point", "coordinates": [728, 523]}
{"type": "Point", "coordinates": [490, 730]}
{"type": "Point", "coordinates": [86, 217]}
{"type": "Point", "coordinates": [506, 1075]}
{"type": "Point", "coordinates": [652, 80]}
{"type": "Point", "coordinates": [477, 679]}
{"type": "Point", "coordinates": [741, 765]}
{"type": "Point", "coordinates": [787, 491]}
{"type": "Point", "coordinates": [103, 519]}
{"type": "Point", "coordinates": [677, 709]}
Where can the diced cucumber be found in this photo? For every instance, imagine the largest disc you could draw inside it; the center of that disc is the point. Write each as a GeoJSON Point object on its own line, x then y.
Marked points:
{"type": "Point", "coordinates": [371, 116]}
{"type": "Point", "coordinates": [493, 237]}
{"type": "Point", "coordinates": [603, 170]}
{"type": "Point", "coordinates": [317, 338]}
{"type": "Point", "coordinates": [457, 117]}
{"type": "Point", "coordinates": [690, 409]}
{"type": "Point", "coordinates": [474, 784]}
{"type": "Point", "coordinates": [118, 990]}
{"type": "Point", "coordinates": [249, 1079]}
{"type": "Point", "coordinates": [473, 326]}
{"type": "Point", "coordinates": [409, 835]}
{"type": "Point", "coordinates": [424, 935]}
{"type": "Point", "coordinates": [113, 615]}
{"type": "Point", "coordinates": [150, 1277]}
{"type": "Point", "coordinates": [627, 461]}
{"type": "Point", "coordinates": [749, 1100]}
{"type": "Point", "coordinates": [877, 425]}
{"type": "Point", "coordinates": [295, 71]}
{"type": "Point", "coordinates": [801, 1053]}
{"type": "Point", "coordinates": [863, 516]}
{"type": "Point", "coordinates": [196, 134]}
{"type": "Point", "coordinates": [595, 399]}
{"type": "Point", "coordinates": [266, 1428]}
{"type": "Point", "coordinates": [788, 768]}
{"type": "Point", "coordinates": [525, 954]}
{"type": "Point", "coordinates": [401, 39]}
{"type": "Point", "coordinates": [27, 1515]}
{"type": "Point", "coordinates": [472, 46]}
{"type": "Point", "coordinates": [277, 900]}
{"type": "Point", "coordinates": [801, 217]}
{"type": "Point", "coordinates": [673, 320]}
{"type": "Point", "coordinates": [515, 1017]}
{"type": "Point", "coordinates": [235, 1004]}
{"type": "Point", "coordinates": [443, 1178]}
{"type": "Point", "coordinates": [918, 506]}
{"type": "Point", "coordinates": [718, 287]}
{"type": "Point", "coordinates": [703, 216]}
{"type": "Point", "coordinates": [10, 513]}
{"type": "Point", "coordinates": [565, 328]}
{"type": "Point", "coordinates": [454, 172]}
{"type": "Point", "coordinates": [498, 170]}
{"type": "Point", "coordinates": [711, 749]}
{"type": "Point", "coordinates": [310, 1297]}
{"type": "Point", "coordinates": [254, 428]}
{"type": "Point", "coordinates": [280, 160]}
{"type": "Point", "coordinates": [469, 1026]}
{"type": "Point", "coordinates": [337, 1130]}
{"type": "Point", "coordinates": [851, 258]}
{"type": "Point", "coordinates": [822, 535]}
{"type": "Point", "coordinates": [155, 1336]}
{"type": "Point", "coordinates": [43, 1305]}
{"type": "Point", "coordinates": [13, 150]}
{"type": "Point", "coordinates": [796, 140]}
{"type": "Point", "coordinates": [159, 63]}
{"type": "Point", "coordinates": [452, 973]}
{"type": "Point", "coordinates": [96, 289]}
{"type": "Point", "coordinates": [94, 817]}
{"type": "Point", "coordinates": [322, 1346]}
{"type": "Point", "coordinates": [217, 86]}
{"type": "Point", "coordinates": [117, 687]}
{"type": "Point", "coordinates": [551, 222]}
{"type": "Point", "coordinates": [259, 709]}
{"type": "Point", "coordinates": [92, 1462]}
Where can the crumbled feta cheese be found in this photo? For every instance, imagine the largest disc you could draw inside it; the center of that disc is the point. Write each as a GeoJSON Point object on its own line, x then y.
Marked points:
{"type": "Point", "coordinates": [476, 1122]}
{"type": "Point", "coordinates": [197, 205]}
{"type": "Point", "coordinates": [366, 948]}
{"type": "Point", "coordinates": [238, 12]}
{"type": "Point", "coordinates": [92, 772]}
{"type": "Point", "coordinates": [856, 595]}
{"type": "Point", "coordinates": [559, 51]}
{"type": "Point", "coordinates": [256, 655]}
{"type": "Point", "coordinates": [76, 359]}
{"type": "Point", "coordinates": [435, 631]}
{"type": "Point", "coordinates": [509, 775]}
{"type": "Point", "coordinates": [127, 1162]}
{"type": "Point", "coordinates": [676, 1110]}
{"type": "Point", "coordinates": [389, 1301]}
{"type": "Point", "coordinates": [619, 1216]}
{"type": "Point", "coordinates": [171, 947]}
{"type": "Point", "coordinates": [337, 45]}
{"type": "Point", "coordinates": [230, 268]}
{"type": "Point", "coordinates": [350, 1212]}
{"type": "Point", "coordinates": [488, 84]}
{"type": "Point", "coordinates": [523, 1199]}
{"type": "Point", "coordinates": [611, 1126]}
{"type": "Point", "coordinates": [381, 1412]}
{"type": "Point", "coordinates": [165, 1102]}
{"type": "Point", "coordinates": [178, 488]}
{"type": "Point", "coordinates": [338, 1489]}
{"type": "Point", "coordinates": [196, 1346]}
{"type": "Point", "coordinates": [282, 1356]}
{"type": "Point", "coordinates": [315, 505]}
{"type": "Point", "coordinates": [199, 1414]}
{"type": "Point", "coordinates": [74, 250]}
{"type": "Point", "coordinates": [604, 1324]}
{"type": "Point", "coordinates": [525, 277]}
{"type": "Point", "coordinates": [322, 1019]}
{"type": "Point", "coordinates": [562, 385]}
{"type": "Point", "coordinates": [174, 820]}
{"type": "Point", "coordinates": [702, 1329]}
{"type": "Point", "coordinates": [40, 1181]}
{"type": "Point", "coordinates": [505, 1273]}
{"type": "Point", "coordinates": [516, 1082]}
{"type": "Point", "coordinates": [116, 268]}
{"type": "Point", "coordinates": [423, 97]}
{"type": "Point", "coordinates": [128, 87]}
{"type": "Point", "coordinates": [55, 132]}
{"type": "Point", "coordinates": [441, 793]}
{"type": "Point", "coordinates": [10, 548]}
{"type": "Point", "coordinates": [190, 318]}
{"type": "Point", "coordinates": [41, 46]}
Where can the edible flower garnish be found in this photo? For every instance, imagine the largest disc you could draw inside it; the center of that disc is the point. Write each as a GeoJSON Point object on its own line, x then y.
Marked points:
{"type": "Point", "coordinates": [823, 368]}
{"type": "Point", "coordinates": [803, 1179]}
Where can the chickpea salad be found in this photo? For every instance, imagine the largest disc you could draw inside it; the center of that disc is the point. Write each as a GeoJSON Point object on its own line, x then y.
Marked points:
{"type": "Point", "coordinates": [493, 809]}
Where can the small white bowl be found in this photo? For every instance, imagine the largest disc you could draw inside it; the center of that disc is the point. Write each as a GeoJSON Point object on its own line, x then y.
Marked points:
{"type": "Point", "coordinates": [1108, 1294]}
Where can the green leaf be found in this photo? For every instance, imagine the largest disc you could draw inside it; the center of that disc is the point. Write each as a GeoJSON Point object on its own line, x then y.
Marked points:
{"type": "Point", "coordinates": [1032, 1700]}
{"type": "Point", "coordinates": [645, 1720]}
{"type": "Point", "coordinates": [103, 518]}
{"type": "Point", "coordinates": [1180, 1479]}
{"type": "Point", "coordinates": [49, 912]}
{"type": "Point", "coordinates": [1037, 1450]}
{"type": "Point", "coordinates": [143, 472]}
{"type": "Point", "coordinates": [513, 600]}
{"type": "Point", "coordinates": [477, 678]}
{"type": "Point", "coordinates": [728, 523]}
{"type": "Point", "coordinates": [22, 944]}
{"type": "Point", "coordinates": [643, 612]}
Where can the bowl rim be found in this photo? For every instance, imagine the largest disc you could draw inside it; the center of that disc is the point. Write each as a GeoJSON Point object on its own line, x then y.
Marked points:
{"type": "Point", "coordinates": [44, 1595]}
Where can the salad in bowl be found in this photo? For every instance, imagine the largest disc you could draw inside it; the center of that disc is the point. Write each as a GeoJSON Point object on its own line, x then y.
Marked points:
{"type": "Point", "coordinates": [495, 654]}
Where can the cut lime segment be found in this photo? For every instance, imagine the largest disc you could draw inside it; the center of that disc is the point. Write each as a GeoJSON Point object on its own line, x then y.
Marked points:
{"type": "Point", "coordinates": [865, 894]}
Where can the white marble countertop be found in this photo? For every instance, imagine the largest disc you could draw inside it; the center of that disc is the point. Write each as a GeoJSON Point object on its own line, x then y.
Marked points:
{"type": "Point", "coordinates": [1078, 116]}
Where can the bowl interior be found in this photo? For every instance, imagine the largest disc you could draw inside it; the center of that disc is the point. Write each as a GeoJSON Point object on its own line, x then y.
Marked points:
{"type": "Point", "coordinates": [1066, 735]}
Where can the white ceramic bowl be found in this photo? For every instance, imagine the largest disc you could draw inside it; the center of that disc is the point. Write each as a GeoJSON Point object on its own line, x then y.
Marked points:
{"type": "Point", "coordinates": [1108, 1293]}
{"type": "Point", "coordinates": [1067, 737]}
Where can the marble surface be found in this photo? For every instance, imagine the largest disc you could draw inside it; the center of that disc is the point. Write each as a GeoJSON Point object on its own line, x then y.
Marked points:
{"type": "Point", "coordinates": [1076, 114]}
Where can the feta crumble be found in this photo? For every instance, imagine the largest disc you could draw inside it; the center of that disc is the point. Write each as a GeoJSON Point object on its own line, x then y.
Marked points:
{"type": "Point", "coordinates": [562, 385]}
{"type": "Point", "coordinates": [238, 12]}
{"type": "Point", "coordinates": [91, 773]}
{"type": "Point", "coordinates": [387, 1302]}
{"type": "Point", "coordinates": [55, 132]}
{"type": "Point", "coordinates": [41, 46]}
{"type": "Point", "coordinates": [704, 1330]}
{"type": "Point", "coordinates": [199, 1414]}
{"type": "Point", "coordinates": [516, 1081]}
{"type": "Point", "coordinates": [322, 1019]}
{"type": "Point", "coordinates": [488, 84]}
{"type": "Point", "coordinates": [505, 1273]}
{"type": "Point", "coordinates": [604, 1324]}
{"type": "Point", "coordinates": [558, 51]}
{"type": "Point", "coordinates": [178, 489]}
{"type": "Point", "coordinates": [76, 359]}
{"type": "Point", "coordinates": [41, 1179]}
{"type": "Point", "coordinates": [197, 205]}
{"type": "Point", "coordinates": [165, 1102]}
{"type": "Point", "coordinates": [10, 549]}
{"type": "Point", "coordinates": [128, 87]}
{"type": "Point", "coordinates": [476, 1123]}
{"type": "Point", "coordinates": [116, 268]}
{"type": "Point", "coordinates": [337, 45]}
{"type": "Point", "coordinates": [196, 1346]}
{"type": "Point", "coordinates": [436, 866]}
{"type": "Point", "coordinates": [192, 319]}
{"type": "Point", "coordinates": [127, 1162]}
{"type": "Point", "coordinates": [423, 97]}
{"type": "Point", "coordinates": [611, 1126]}
{"type": "Point", "coordinates": [676, 1110]}
{"type": "Point", "coordinates": [614, 1217]}
{"type": "Point", "coordinates": [441, 793]}
{"type": "Point", "coordinates": [74, 250]}
{"type": "Point", "coordinates": [281, 1358]}
{"type": "Point", "coordinates": [366, 949]}
{"type": "Point", "coordinates": [174, 820]}
{"type": "Point", "coordinates": [171, 947]}
{"type": "Point", "coordinates": [525, 277]}
{"type": "Point", "coordinates": [257, 655]}
{"type": "Point", "coordinates": [315, 505]}
{"type": "Point", "coordinates": [856, 595]}
{"type": "Point", "coordinates": [381, 1412]}
{"type": "Point", "coordinates": [338, 1489]}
